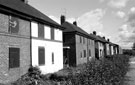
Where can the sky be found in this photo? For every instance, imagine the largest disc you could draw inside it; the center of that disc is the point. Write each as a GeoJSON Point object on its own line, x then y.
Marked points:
{"type": "Point", "coordinates": [114, 19]}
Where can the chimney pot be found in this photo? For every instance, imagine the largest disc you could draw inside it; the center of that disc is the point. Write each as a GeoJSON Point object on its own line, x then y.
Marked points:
{"type": "Point", "coordinates": [94, 32]}
{"type": "Point", "coordinates": [25, 1]}
{"type": "Point", "coordinates": [75, 23]}
{"type": "Point", "coordinates": [63, 18]}
{"type": "Point", "coordinates": [108, 40]}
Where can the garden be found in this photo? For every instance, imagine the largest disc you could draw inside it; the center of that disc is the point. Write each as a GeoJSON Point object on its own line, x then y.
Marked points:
{"type": "Point", "coordinates": [110, 70]}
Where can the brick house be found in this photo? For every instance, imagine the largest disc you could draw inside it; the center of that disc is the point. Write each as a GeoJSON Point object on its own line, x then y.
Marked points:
{"type": "Point", "coordinates": [78, 45]}
{"type": "Point", "coordinates": [99, 46]}
{"type": "Point", "coordinates": [14, 41]}
{"type": "Point", "coordinates": [27, 37]}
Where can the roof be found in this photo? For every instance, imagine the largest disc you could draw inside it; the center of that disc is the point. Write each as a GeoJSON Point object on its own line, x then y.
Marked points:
{"type": "Point", "coordinates": [98, 38]}
{"type": "Point", "coordinates": [23, 8]}
{"type": "Point", "coordinates": [73, 28]}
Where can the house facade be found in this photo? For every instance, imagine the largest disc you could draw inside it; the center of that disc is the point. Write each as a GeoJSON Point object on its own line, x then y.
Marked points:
{"type": "Point", "coordinates": [47, 47]}
{"type": "Point", "coordinates": [27, 38]}
{"type": "Point", "coordinates": [78, 45]}
{"type": "Point", "coordinates": [14, 43]}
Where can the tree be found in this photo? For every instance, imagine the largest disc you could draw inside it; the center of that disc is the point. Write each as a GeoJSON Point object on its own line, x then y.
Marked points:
{"type": "Point", "coordinates": [133, 48]}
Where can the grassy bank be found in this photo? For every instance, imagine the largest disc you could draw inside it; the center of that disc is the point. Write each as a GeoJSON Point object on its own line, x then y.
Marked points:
{"type": "Point", "coordinates": [108, 71]}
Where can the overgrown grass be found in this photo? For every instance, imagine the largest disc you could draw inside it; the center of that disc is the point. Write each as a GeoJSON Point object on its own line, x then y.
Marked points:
{"type": "Point", "coordinates": [108, 71]}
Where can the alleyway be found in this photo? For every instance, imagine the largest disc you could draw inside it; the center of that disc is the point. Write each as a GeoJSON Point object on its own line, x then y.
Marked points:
{"type": "Point", "coordinates": [131, 73]}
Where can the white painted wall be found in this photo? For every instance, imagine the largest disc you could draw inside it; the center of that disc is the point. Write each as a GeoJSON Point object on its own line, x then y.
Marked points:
{"type": "Point", "coordinates": [47, 32]}
{"type": "Point", "coordinates": [50, 47]}
{"type": "Point", "coordinates": [34, 29]}
{"type": "Point", "coordinates": [112, 51]}
{"type": "Point", "coordinates": [101, 47]}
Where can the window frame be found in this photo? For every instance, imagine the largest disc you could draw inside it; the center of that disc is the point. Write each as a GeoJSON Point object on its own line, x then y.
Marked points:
{"type": "Point", "coordinates": [14, 62]}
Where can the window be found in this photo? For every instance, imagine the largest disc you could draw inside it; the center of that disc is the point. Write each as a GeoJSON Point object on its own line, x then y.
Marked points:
{"type": "Point", "coordinates": [13, 25]}
{"type": "Point", "coordinates": [14, 57]}
{"type": "Point", "coordinates": [41, 55]}
{"type": "Point", "coordinates": [52, 33]}
{"type": "Point", "coordinates": [84, 53]}
{"type": "Point", "coordinates": [80, 39]}
{"type": "Point", "coordinates": [52, 58]}
{"type": "Point", "coordinates": [81, 54]}
{"type": "Point", "coordinates": [89, 52]}
{"type": "Point", "coordinates": [40, 30]}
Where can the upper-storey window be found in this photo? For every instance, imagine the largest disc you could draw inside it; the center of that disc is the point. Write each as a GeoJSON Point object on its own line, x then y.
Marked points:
{"type": "Point", "coordinates": [40, 30]}
{"type": "Point", "coordinates": [34, 29]}
{"type": "Point", "coordinates": [52, 33]}
{"type": "Point", "coordinates": [13, 24]}
{"type": "Point", "coordinates": [47, 32]}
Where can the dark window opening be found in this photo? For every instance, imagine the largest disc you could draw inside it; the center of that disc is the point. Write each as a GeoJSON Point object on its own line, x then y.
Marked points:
{"type": "Point", "coordinates": [84, 53]}
{"type": "Point", "coordinates": [41, 55]}
{"type": "Point", "coordinates": [52, 33]}
{"type": "Point", "coordinates": [14, 57]}
{"type": "Point", "coordinates": [52, 58]}
{"type": "Point", "coordinates": [40, 30]}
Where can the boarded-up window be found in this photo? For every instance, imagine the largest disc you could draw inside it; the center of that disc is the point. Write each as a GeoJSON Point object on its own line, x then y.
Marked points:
{"type": "Point", "coordinates": [14, 57]}
{"type": "Point", "coordinates": [13, 24]}
{"type": "Point", "coordinates": [40, 30]}
{"type": "Point", "coordinates": [41, 55]}
{"type": "Point", "coordinates": [84, 52]}
{"type": "Point", "coordinates": [52, 58]}
{"type": "Point", "coordinates": [81, 54]}
{"type": "Point", "coordinates": [89, 52]}
{"type": "Point", "coordinates": [52, 33]}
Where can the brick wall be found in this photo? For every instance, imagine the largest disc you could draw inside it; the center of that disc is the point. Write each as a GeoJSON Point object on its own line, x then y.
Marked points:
{"type": "Point", "coordinates": [20, 40]}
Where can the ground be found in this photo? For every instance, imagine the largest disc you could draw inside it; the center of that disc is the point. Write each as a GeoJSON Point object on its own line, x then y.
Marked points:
{"type": "Point", "coordinates": [131, 73]}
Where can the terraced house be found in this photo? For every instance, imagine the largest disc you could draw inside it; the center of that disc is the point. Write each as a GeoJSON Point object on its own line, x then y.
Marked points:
{"type": "Point", "coordinates": [78, 45]}
{"type": "Point", "coordinates": [27, 37]}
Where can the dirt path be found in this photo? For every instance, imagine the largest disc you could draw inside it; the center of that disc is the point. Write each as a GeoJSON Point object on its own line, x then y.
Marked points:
{"type": "Point", "coordinates": [131, 73]}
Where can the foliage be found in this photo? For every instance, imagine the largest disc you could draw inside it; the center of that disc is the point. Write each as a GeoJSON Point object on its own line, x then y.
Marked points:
{"type": "Point", "coordinates": [33, 77]}
{"type": "Point", "coordinates": [110, 71]}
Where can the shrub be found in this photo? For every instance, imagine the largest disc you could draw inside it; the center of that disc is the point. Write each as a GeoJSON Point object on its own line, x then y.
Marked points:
{"type": "Point", "coordinates": [109, 71]}
{"type": "Point", "coordinates": [33, 77]}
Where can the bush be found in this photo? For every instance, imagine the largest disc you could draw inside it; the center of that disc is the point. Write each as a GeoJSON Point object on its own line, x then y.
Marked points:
{"type": "Point", "coordinates": [33, 77]}
{"type": "Point", "coordinates": [109, 71]}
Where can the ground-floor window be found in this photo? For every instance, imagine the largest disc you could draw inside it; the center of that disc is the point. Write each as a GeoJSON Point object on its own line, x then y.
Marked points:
{"type": "Point", "coordinates": [52, 58]}
{"type": "Point", "coordinates": [14, 57]}
{"type": "Point", "coordinates": [41, 56]}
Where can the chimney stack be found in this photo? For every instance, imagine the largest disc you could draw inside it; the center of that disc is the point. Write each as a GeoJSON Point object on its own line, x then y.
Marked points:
{"type": "Point", "coordinates": [25, 1]}
{"type": "Point", "coordinates": [94, 32]}
{"type": "Point", "coordinates": [104, 37]}
{"type": "Point", "coordinates": [75, 23]}
{"type": "Point", "coordinates": [108, 40]}
{"type": "Point", "coordinates": [63, 18]}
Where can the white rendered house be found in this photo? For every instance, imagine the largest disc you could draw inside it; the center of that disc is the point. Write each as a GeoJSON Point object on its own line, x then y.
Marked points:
{"type": "Point", "coordinates": [47, 47]}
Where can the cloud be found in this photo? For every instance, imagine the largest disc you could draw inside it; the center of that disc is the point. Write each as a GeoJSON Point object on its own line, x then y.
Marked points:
{"type": "Point", "coordinates": [91, 21]}
{"type": "Point", "coordinates": [120, 14]}
{"type": "Point", "coordinates": [131, 17]}
{"type": "Point", "coordinates": [126, 35]}
{"type": "Point", "coordinates": [116, 3]}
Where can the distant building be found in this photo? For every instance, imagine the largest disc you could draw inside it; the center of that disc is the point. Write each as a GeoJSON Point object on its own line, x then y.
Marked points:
{"type": "Point", "coordinates": [78, 45]}
{"type": "Point", "coordinates": [100, 46]}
